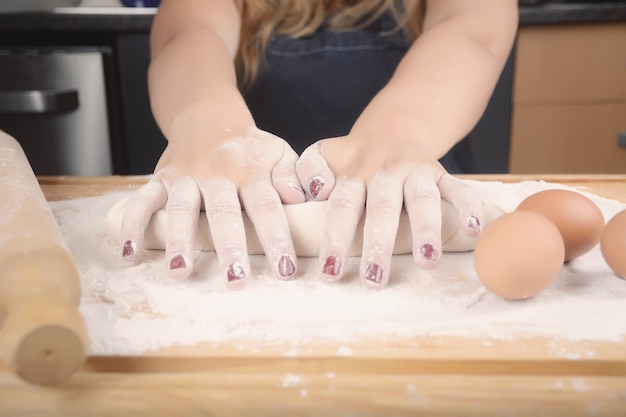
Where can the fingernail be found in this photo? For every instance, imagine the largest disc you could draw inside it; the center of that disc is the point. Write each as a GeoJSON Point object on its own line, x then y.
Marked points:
{"type": "Point", "coordinates": [128, 249]}
{"type": "Point", "coordinates": [428, 252]}
{"type": "Point", "coordinates": [315, 186]}
{"type": "Point", "coordinates": [474, 223]}
{"type": "Point", "coordinates": [332, 266]}
{"type": "Point", "coordinates": [235, 273]}
{"type": "Point", "coordinates": [296, 187]}
{"type": "Point", "coordinates": [178, 262]}
{"type": "Point", "coordinates": [286, 266]}
{"type": "Point", "coordinates": [374, 273]}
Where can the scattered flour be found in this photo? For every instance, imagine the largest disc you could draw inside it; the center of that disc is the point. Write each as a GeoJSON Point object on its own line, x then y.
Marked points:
{"type": "Point", "coordinates": [291, 380]}
{"type": "Point", "coordinates": [137, 309]}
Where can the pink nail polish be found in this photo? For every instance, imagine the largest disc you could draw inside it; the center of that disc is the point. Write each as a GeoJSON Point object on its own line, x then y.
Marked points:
{"type": "Point", "coordinates": [474, 223]}
{"type": "Point", "coordinates": [428, 252]}
{"type": "Point", "coordinates": [235, 273]}
{"type": "Point", "coordinates": [332, 266]}
{"type": "Point", "coordinates": [178, 262]}
{"type": "Point", "coordinates": [374, 273]}
{"type": "Point", "coordinates": [315, 186]}
{"type": "Point", "coordinates": [128, 249]}
{"type": "Point", "coordinates": [286, 266]}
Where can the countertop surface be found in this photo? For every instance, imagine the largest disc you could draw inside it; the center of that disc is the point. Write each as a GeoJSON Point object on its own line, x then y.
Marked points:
{"type": "Point", "coordinates": [433, 376]}
{"type": "Point", "coordinates": [129, 19]}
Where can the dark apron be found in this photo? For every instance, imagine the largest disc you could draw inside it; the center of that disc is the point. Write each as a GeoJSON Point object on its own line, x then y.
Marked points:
{"type": "Point", "coordinates": [316, 87]}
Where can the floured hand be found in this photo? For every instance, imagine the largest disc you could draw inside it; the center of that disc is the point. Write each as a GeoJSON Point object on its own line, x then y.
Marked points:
{"type": "Point", "coordinates": [254, 172]}
{"type": "Point", "coordinates": [381, 178]}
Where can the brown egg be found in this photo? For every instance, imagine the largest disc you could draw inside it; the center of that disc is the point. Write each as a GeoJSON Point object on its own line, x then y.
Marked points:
{"type": "Point", "coordinates": [579, 219]}
{"type": "Point", "coordinates": [518, 255]}
{"type": "Point", "coordinates": [613, 243]}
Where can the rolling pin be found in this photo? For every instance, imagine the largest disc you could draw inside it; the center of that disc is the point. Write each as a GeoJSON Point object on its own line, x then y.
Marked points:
{"type": "Point", "coordinates": [43, 337]}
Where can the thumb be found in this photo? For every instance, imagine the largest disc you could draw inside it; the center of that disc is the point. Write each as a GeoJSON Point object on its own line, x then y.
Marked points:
{"type": "Point", "coordinates": [314, 173]}
{"type": "Point", "coordinates": [284, 178]}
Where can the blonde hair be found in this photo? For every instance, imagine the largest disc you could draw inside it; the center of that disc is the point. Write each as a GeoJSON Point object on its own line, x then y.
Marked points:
{"type": "Point", "coordinates": [297, 18]}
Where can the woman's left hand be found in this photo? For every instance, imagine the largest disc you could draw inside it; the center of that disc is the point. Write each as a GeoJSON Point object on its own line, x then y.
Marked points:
{"type": "Point", "coordinates": [357, 173]}
{"type": "Point", "coordinates": [389, 159]}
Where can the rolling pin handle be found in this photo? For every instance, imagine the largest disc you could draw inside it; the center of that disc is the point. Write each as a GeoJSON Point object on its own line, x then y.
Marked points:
{"type": "Point", "coordinates": [44, 338]}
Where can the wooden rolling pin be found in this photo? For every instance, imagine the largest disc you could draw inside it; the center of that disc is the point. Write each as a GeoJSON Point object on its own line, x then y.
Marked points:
{"type": "Point", "coordinates": [42, 335]}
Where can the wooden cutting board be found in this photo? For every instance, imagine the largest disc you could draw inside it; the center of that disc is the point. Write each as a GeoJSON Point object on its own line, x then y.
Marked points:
{"type": "Point", "coordinates": [433, 376]}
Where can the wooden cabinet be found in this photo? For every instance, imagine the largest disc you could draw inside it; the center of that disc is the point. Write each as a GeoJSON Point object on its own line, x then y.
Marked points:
{"type": "Point", "coordinates": [569, 100]}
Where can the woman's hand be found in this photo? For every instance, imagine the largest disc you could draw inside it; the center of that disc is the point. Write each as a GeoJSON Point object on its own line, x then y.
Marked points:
{"type": "Point", "coordinates": [357, 174]}
{"type": "Point", "coordinates": [389, 159]}
{"type": "Point", "coordinates": [255, 171]}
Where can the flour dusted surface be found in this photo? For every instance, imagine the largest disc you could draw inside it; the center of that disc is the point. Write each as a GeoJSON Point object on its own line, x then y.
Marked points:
{"type": "Point", "coordinates": [137, 309]}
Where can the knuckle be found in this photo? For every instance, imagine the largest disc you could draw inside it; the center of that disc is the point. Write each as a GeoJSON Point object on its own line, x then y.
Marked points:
{"type": "Point", "coordinates": [381, 207]}
{"type": "Point", "coordinates": [177, 206]}
{"type": "Point", "coordinates": [424, 194]}
{"type": "Point", "coordinates": [222, 210]}
{"type": "Point", "coordinates": [264, 206]}
{"type": "Point", "coordinates": [343, 203]}
{"type": "Point", "coordinates": [231, 251]}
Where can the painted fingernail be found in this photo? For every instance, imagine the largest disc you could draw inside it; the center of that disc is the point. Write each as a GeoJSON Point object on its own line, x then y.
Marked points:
{"type": "Point", "coordinates": [474, 223]}
{"type": "Point", "coordinates": [332, 266]}
{"type": "Point", "coordinates": [428, 252]}
{"type": "Point", "coordinates": [286, 266]}
{"type": "Point", "coordinates": [128, 249]}
{"type": "Point", "coordinates": [296, 187]}
{"type": "Point", "coordinates": [178, 262]}
{"type": "Point", "coordinates": [374, 273]}
{"type": "Point", "coordinates": [315, 186]}
{"type": "Point", "coordinates": [235, 272]}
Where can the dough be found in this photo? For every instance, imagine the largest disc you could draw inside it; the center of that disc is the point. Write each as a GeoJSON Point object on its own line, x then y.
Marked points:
{"type": "Point", "coordinates": [304, 222]}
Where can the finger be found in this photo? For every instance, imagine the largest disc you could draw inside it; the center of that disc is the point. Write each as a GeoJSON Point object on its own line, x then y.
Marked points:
{"type": "Point", "coordinates": [423, 205]}
{"type": "Point", "coordinates": [137, 214]}
{"type": "Point", "coordinates": [465, 200]}
{"type": "Point", "coordinates": [344, 212]}
{"type": "Point", "coordinates": [183, 210]}
{"type": "Point", "coordinates": [384, 204]}
{"type": "Point", "coordinates": [266, 212]}
{"type": "Point", "coordinates": [224, 215]}
{"type": "Point", "coordinates": [314, 173]}
{"type": "Point", "coordinates": [285, 180]}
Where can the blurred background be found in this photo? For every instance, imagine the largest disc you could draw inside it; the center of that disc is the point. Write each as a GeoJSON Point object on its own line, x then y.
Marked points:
{"type": "Point", "coordinates": [73, 89]}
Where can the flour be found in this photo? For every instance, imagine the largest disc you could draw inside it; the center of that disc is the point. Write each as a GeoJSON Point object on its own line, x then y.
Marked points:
{"type": "Point", "coordinates": [137, 309]}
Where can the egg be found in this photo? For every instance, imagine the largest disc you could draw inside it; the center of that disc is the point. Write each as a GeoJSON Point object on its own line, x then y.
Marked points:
{"type": "Point", "coordinates": [613, 243]}
{"type": "Point", "coordinates": [579, 219]}
{"type": "Point", "coordinates": [519, 255]}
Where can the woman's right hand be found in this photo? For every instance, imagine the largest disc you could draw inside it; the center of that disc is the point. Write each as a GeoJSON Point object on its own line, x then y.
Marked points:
{"type": "Point", "coordinates": [254, 171]}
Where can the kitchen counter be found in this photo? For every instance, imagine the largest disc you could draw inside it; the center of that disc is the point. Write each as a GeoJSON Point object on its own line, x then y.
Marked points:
{"type": "Point", "coordinates": [431, 376]}
{"type": "Point", "coordinates": [591, 12]}
{"type": "Point", "coordinates": [83, 19]}
{"type": "Point", "coordinates": [128, 19]}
